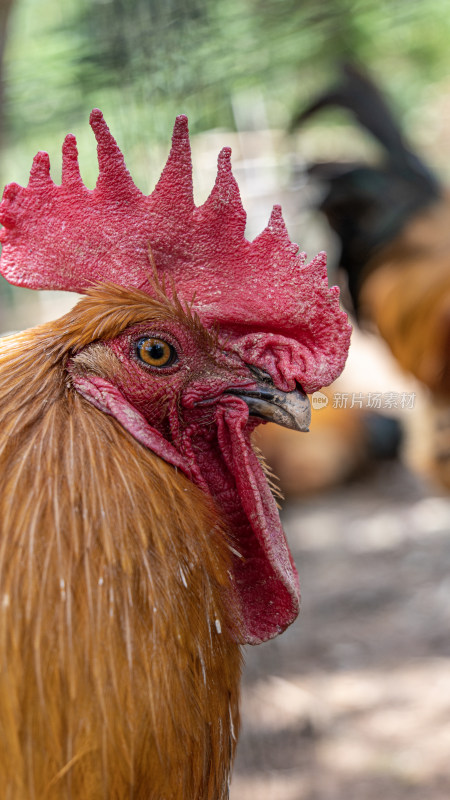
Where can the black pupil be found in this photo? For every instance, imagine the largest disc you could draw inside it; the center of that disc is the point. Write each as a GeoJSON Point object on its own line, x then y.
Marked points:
{"type": "Point", "coordinates": [156, 351]}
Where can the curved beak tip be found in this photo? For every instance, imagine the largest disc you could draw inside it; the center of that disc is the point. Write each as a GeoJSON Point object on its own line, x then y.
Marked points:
{"type": "Point", "coordinates": [289, 409]}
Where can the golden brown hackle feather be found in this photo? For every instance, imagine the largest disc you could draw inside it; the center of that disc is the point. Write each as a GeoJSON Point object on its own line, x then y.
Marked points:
{"type": "Point", "coordinates": [118, 672]}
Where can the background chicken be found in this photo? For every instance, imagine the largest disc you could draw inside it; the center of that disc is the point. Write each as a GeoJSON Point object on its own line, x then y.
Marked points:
{"type": "Point", "coordinates": [140, 542]}
{"type": "Point", "coordinates": [392, 223]}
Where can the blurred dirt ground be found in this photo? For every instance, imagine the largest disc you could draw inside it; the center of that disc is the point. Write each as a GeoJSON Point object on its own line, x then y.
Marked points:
{"type": "Point", "coordinates": [353, 701]}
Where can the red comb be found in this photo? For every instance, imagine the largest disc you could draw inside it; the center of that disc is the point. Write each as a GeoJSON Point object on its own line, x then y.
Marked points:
{"type": "Point", "coordinates": [68, 237]}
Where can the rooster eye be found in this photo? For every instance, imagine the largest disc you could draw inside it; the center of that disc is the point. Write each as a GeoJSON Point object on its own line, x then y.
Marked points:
{"type": "Point", "coordinates": [155, 352]}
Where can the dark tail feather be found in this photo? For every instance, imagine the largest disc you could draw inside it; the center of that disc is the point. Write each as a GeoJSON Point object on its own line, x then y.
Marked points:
{"type": "Point", "coordinates": [368, 205]}
{"type": "Point", "coordinates": [358, 94]}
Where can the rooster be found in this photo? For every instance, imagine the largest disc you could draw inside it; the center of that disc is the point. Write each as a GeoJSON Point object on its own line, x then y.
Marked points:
{"type": "Point", "coordinates": [140, 542]}
{"type": "Point", "coordinates": [392, 221]}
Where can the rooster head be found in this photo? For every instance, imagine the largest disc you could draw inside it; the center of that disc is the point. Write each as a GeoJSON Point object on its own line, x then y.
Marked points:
{"type": "Point", "coordinates": [218, 334]}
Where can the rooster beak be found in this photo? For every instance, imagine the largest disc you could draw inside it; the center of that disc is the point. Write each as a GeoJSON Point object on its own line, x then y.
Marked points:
{"type": "Point", "coordinates": [290, 409]}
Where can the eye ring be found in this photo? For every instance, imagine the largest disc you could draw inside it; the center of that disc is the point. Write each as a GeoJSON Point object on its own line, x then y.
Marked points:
{"type": "Point", "coordinates": [155, 352]}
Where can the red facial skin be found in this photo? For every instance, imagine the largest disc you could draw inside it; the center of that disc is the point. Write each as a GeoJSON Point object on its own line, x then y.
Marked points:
{"type": "Point", "coordinates": [168, 396]}
{"type": "Point", "coordinates": [186, 406]}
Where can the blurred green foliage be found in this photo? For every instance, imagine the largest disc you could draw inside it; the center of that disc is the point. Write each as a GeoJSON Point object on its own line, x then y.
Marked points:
{"type": "Point", "coordinates": [143, 61]}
